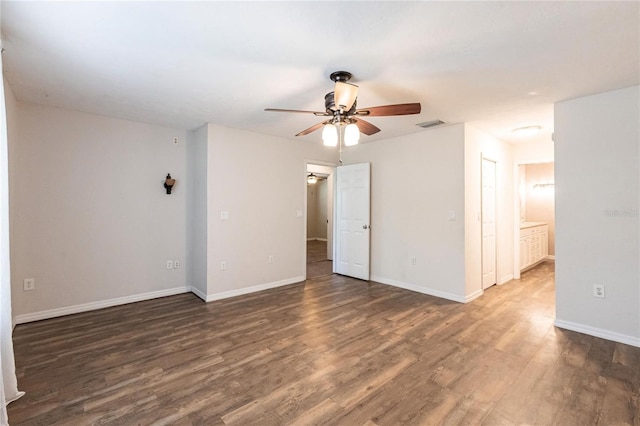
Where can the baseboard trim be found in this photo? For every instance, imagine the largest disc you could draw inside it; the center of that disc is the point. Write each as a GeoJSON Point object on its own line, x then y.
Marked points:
{"type": "Point", "coordinates": [419, 289]}
{"type": "Point", "coordinates": [473, 296]}
{"type": "Point", "coordinates": [199, 293]}
{"type": "Point", "coordinates": [598, 332]}
{"type": "Point", "coordinates": [505, 279]}
{"type": "Point", "coordinates": [316, 239]}
{"type": "Point", "coordinates": [92, 306]}
{"type": "Point", "coordinates": [252, 289]}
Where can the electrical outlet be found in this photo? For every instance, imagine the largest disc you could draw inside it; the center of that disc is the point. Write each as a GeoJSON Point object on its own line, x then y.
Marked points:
{"type": "Point", "coordinates": [598, 290]}
{"type": "Point", "coordinates": [169, 264]}
{"type": "Point", "coordinates": [414, 261]}
{"type": "Point", "coordinates": [224, 215]}
{"type": "Point", "coordinates": [223, 265]}
{"type": "Point", "coordinates": [176, 264]}
{"type": "Point", "coordinates": [270, 258]}
{"type": "Point", "coordinates": [175, 141]}
{"type": "Point", "coordinates": [29, 284]}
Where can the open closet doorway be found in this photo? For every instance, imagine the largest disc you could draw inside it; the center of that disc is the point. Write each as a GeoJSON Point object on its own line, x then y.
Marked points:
{"type": "Point", "coordinates": [319, 223]}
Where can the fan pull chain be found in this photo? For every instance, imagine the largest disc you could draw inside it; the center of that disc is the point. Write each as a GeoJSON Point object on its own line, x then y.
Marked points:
{"type": "Point", "coordinates": [340, 145]}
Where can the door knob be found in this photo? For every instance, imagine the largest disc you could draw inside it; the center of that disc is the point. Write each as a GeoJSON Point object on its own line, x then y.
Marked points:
{"type": "Point", "coordinates": [365, 227]}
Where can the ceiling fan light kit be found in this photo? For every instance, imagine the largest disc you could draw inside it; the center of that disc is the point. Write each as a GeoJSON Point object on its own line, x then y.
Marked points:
{"type": "Point", "coordinates": [330, 135]}
{"type": "Point", "coordinates": [351, 135]}
{"type": "Point", "coordinates": [340, 106]}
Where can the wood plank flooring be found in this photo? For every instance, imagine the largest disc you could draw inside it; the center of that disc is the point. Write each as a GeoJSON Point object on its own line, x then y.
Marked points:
{"type": "Point", "coordinates": [331, 351]}
{"type": "Point", "coordinates": [317, 263]}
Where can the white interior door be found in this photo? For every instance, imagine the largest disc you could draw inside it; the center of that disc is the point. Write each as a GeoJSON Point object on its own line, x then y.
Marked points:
{"type": "Point", "coordinates": [488, 223]}
{"type": "Point", "coordinates": [353, 185]}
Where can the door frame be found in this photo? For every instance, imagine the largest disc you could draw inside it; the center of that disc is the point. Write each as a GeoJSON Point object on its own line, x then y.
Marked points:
{"type": "Point", "coordinates": [333, 166]}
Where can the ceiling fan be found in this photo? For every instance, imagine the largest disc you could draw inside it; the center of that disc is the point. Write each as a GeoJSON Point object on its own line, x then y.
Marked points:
{"type": "Point", "coordinates": [340, 106]}
{"type": "Point", "coordinates": [313, 178]}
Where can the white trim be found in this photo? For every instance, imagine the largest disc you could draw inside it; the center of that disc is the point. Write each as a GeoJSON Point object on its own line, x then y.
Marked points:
{"type": "Point", "coordinates": [199, 293]}
{"type": "Point", "coordinates": [252, 289]}
{"type": "Point", "coordinates": [598, 332]}
{"type": "Point", "coordinates": [15, 397]}
{"type": "Point", "coordinates": [473, 296]}
{"type": "Point", "coordinates": [91, 306]}
{"type": "Point", "coordinates": [505, 279]}
{"type": "Point", "coordinates": [423, 290]}
{"type": "Point", "coordinates": [533, 265]}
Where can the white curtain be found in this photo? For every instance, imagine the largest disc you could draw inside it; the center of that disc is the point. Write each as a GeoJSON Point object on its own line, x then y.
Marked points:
{"type": "Point", "coordinates": [9, 389]}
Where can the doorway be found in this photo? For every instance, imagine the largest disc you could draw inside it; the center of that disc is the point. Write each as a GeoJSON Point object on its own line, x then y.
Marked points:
{"type": "Point", "coordinates": [319, 220]}
{"type": "Point", "coordinates": [534, 215]}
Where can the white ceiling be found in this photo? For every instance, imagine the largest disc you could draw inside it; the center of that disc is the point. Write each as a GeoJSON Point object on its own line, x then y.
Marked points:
{"type": "Point", "coordinates": [499, 65]}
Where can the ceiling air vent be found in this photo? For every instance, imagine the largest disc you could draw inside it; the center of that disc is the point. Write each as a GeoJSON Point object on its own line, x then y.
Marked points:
{"type": "Point", "coordinates": [428, 124]}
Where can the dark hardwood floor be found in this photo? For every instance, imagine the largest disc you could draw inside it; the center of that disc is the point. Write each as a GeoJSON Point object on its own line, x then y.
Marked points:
{"type": "Point", "coordinates": [317, 263]}
{"type": "Point", "coordinates": [331, 350]}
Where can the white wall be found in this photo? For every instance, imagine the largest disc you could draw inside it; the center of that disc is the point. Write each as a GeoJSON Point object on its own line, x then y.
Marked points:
{"type": "Point", "coordinates": [261, 181]}
{"type": "Point", "coordinates": [533, 152]}
{"type": "Point", "coordinates": [416, 180]}
{"type": "Point", "coordinates": [197, 172]}
{"type": "Point", "coordinates": [90, 220]}
{"type": "Point", "coordinates": [477, 145]}
{"type": "Point", "coordinates": [597, 225]}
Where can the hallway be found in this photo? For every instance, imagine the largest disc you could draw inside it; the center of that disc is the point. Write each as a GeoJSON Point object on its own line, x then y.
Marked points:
{"type": "Point", "coordinates": [317, 263]}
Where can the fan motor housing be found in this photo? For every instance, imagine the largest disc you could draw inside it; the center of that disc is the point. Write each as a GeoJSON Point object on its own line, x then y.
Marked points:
{"type": "Point", "coordinates": [330, 104]}
{"type": "Point", "coordinates": [342, 76]}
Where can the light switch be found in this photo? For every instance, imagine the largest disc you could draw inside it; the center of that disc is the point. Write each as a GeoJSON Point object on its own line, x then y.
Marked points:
{"type": "Point", "coordinates": [452, 215]}
{"type": "Point", "coordinates": [224, 215]}
{"type": "Point", "coordinates": [298, 213]}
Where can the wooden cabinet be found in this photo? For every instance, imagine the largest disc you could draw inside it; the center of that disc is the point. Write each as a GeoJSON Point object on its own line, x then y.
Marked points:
{"type": "Point", "coordinates": [534, 245]}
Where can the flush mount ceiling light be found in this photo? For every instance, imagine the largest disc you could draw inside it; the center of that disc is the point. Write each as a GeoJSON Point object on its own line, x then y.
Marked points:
{"type": "Point", "coordinates": [527, 130]}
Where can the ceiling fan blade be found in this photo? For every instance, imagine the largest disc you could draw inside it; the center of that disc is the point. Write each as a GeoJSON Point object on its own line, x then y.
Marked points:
{"type": "Point", "coordinates": [312, 128]}
{"type": "Point", "coordinates": [397, 109]}
{"type": "Point", "coordinates": [317, 113]}
{"type": "Point", "coordinates": [345, 95]}
{"type": "Point", "coordinates": [365, 127]}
